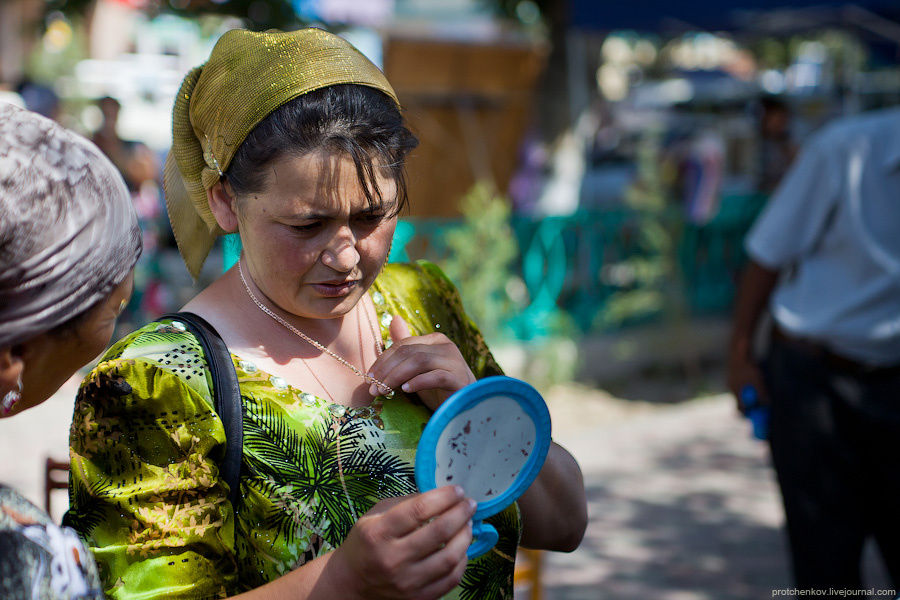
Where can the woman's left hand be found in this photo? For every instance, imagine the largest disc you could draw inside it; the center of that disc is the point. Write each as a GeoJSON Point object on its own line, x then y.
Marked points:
{"type": "Point", "coordinates": [429, 365]}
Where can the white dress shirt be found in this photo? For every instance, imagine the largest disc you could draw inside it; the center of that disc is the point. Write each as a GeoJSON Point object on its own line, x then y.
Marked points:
{"type": "Point", "coordinates": [832, 229]}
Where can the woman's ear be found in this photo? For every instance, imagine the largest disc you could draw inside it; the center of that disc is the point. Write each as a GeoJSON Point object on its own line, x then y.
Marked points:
{"type": "Point", "coordinates": [223, 205]}
{"type": "Point", "coordinates": [12, 365]}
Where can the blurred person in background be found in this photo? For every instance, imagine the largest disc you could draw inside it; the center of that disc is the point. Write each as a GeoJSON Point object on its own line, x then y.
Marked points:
{"type": "Point", "coordinates": [701, 175]}
{"type": "Point", "coordinates": [139, 167]}
{"type": "Point", "coordinates": [825, 261]}
{"type": "Point", "coordinates": [776, 149]}
{"type": "Point", "coordinates": [135, 160]}
{"type": "Point", "coordinates": [68, 243]}
{"type": "Point", "coordinates": [340, 360]}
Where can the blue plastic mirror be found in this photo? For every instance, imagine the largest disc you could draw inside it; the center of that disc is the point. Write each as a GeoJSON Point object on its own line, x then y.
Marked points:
{"type": "Point", "coordinates": [491, 438]}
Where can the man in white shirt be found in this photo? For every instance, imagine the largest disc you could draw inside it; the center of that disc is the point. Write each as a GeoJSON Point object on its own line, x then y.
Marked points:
{"type": "Point", "coordinates": [825, 260]}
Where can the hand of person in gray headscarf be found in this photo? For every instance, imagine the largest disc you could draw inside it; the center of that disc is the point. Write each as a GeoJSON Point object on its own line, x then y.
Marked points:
{"type": "Point", "coordinates": [69, 240]}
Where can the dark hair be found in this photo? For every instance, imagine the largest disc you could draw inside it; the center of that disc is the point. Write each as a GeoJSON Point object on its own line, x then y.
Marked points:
{"type": "Point", "coordinates": [355, 120]}
{"type": "Point", "coordinates": [110, 101]}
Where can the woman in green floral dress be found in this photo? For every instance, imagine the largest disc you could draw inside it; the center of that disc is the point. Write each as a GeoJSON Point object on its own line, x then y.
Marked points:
{"type": "Point", "coordinates": [340, 361]}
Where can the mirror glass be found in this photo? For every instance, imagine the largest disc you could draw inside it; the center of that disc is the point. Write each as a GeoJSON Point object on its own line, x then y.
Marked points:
{"type": "Point", "coordinates": [484, 448]}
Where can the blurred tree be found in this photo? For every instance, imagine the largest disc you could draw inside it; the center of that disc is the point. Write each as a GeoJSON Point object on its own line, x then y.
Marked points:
{"type": "Point", "coordinates": [258, 14]}
{"type": "Point", "coordinates": [481, 261]}
{"type": "Point", "coordinates": [70, 7]}
{"type": "Point", "coordinates": [656, 285]}
{"type": "Point", "coordinates": [526, 12]}
{"type": "Point", "coordinates": [63, 46]}
{"type": "Point", "coordinates": [481, 256]}
{"type": "Point", "coordinates": [771, 52]}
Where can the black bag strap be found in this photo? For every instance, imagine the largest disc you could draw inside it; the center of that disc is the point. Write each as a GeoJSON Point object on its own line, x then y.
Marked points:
{"type": "Point", "coordinates": [226, 396]}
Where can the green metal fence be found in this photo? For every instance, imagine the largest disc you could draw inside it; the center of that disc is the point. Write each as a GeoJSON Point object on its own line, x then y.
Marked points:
{"type": "Point", "coordinates": [574, 264]}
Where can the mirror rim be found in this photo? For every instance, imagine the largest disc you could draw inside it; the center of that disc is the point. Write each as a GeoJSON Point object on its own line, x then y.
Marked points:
{"type": "Point", "coordinates": [532, 404]}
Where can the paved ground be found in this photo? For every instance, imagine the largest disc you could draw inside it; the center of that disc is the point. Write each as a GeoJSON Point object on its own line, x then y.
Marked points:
{"type": "Point", "coordinates": [682, 502]}
{"type": "Point", "coordinates": [682, 506]}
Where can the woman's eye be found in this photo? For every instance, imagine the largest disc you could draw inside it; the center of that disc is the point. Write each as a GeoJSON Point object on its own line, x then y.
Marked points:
{"type": "Point", "coordinates": [306, 228]}
{"type": "Point", "coordinates": [370, 218]}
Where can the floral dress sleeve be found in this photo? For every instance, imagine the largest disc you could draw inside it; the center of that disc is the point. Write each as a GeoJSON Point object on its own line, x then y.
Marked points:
{"type": "Point", "coordinates": [145, 492]}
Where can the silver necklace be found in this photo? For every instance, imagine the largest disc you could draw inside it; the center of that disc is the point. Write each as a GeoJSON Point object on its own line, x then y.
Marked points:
{"type": "Point", "coordinates": [314, 343]}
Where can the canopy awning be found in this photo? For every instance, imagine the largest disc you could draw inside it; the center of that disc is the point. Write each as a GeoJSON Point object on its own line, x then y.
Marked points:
{"type": "Point", "coordinates": [665, 15]}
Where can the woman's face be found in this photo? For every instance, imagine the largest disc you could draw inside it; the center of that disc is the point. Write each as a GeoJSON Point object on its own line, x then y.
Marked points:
{"type": "Point", "coordinates": [312, 242]}
{"type": "Point", "coordinates": [52, 358]}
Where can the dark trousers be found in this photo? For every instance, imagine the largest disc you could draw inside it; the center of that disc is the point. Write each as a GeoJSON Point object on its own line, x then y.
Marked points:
{"type": "Point", "coordinates": [835, 439]}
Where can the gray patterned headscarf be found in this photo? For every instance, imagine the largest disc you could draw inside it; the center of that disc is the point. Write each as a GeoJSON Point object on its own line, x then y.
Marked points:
{"type": "Point", "coordinates": [68, 231]}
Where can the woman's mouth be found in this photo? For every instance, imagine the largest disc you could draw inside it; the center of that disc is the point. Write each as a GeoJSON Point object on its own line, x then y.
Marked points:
{"type": "Point", "coordinates": [332, 289]}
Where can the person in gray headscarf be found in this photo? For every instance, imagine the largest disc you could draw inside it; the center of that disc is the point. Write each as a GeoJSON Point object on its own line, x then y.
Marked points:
{"type": "Point", "coordinates": [69, 240]}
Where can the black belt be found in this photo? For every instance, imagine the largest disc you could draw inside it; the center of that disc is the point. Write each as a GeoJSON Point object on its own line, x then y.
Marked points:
{"type": "Point", "coordinates": [835, 361]}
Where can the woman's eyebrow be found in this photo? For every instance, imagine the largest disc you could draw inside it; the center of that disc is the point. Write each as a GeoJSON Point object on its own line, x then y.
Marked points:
{"type": "Point", "coordinates": [319, 214]}
{"type": "Point", "coordinates": [377, 208]}
{"type": "Point", "coordinates": [309, 215]}
{"type": "Point", "coordinates": [301, 215]}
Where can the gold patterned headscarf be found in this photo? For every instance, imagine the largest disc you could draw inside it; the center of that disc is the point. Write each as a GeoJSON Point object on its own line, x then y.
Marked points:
{"type": "Point", "coordinates": [248, 75]}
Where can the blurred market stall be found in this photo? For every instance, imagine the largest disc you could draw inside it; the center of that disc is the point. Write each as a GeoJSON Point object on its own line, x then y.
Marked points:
{"type": "Point", "coordinates": [584, 166]}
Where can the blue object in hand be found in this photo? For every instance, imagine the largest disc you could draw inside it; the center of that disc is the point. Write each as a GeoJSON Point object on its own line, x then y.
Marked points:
{"type": "Point", "coordinates": [757, 412]}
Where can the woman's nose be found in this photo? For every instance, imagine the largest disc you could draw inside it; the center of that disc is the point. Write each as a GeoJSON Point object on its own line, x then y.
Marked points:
{"type": "Point", "coordinates": [341, 254]}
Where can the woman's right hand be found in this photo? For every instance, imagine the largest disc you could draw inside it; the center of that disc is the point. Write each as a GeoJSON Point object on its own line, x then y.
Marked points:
{"type": "Point", "coordinates": [410, 547]}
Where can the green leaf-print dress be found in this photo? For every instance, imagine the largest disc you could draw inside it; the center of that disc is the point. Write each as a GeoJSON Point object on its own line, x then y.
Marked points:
{"type": "Point", "coordinates": [146, 447]}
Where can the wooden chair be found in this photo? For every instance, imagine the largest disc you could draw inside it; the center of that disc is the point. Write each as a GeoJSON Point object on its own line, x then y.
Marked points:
{"type": "Point", "coordinates": [56, 477]}
{"type": "Point", "coordinates": [528, 571]}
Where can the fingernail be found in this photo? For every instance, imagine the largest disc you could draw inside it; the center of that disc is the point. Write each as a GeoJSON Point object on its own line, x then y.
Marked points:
{"type": "Point", "coordinates": [405, 387]}
{"type": "Point", "coordinates": [472, 505]}
{"type": "Point", "coordinates": [459, 491]}
{"type": "Point", "coordinates": [373, 390]}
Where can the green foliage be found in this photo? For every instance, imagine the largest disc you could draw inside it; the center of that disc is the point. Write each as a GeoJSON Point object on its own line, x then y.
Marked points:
{"type": "Point", "coordinates": [772, 53]}
{"type": "Point", "coordinates": [513, 9]}
{"type": "Point", "coordinates": [844, 49]}
{"type": "Point", "coordinates": [259, 15]}
{"type": "Point", "coordinates": [654, 282]}
{"type": "Point", "coordinates": [69, 7]}
{"type": "Point", "coordinates": [481, 256]}
{"type": "Point", "coordinates": [47, 66]}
